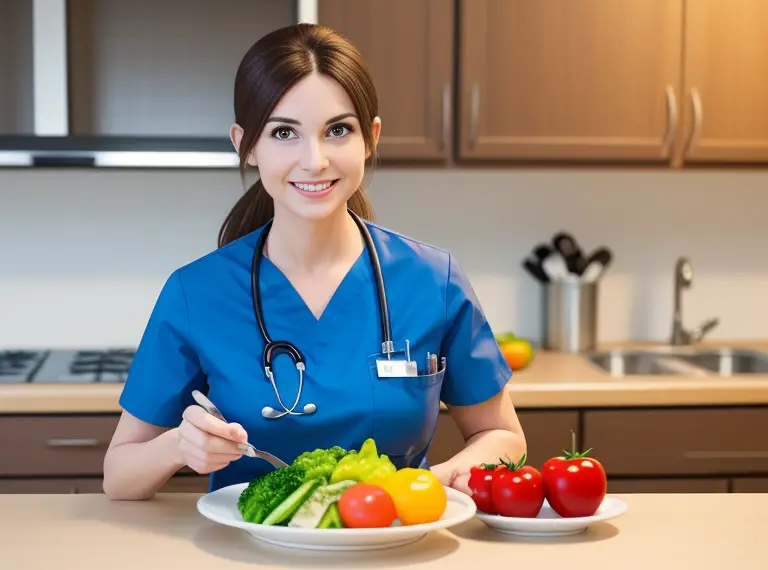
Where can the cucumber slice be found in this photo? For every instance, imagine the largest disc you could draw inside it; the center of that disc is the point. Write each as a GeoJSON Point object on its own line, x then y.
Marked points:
{"type": "Point", "coordinates": [331, 518]}
{"type": "Point", "coordinates": [292, 502]}
{"type": "Point", "coordinates": [312, 511]}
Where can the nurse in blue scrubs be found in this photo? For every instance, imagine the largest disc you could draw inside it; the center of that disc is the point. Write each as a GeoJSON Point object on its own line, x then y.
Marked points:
{"type": "Point", "coordinates": [362, 309]}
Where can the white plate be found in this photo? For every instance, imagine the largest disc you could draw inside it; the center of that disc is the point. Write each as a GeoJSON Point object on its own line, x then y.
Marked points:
{"type": "Point", "coordinates": [549, 523]}
{"type": "Point", "coordinates": [221, 506]}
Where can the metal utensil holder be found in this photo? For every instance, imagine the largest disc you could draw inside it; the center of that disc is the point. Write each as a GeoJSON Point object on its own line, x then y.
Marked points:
{"type": "Point", "coordinates": [570, 316]}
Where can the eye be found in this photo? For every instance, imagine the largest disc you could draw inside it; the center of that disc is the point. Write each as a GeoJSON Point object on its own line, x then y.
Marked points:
{"type": "Point", "coordinates": [340, 130]}
{"type": "Point", "coordinates": [282, 133]}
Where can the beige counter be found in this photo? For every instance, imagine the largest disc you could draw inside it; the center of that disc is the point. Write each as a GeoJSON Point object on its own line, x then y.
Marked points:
{"type": "Point", "coordinates": [662, 532]}
{"type": "Point", "coordinates": [552, 381]}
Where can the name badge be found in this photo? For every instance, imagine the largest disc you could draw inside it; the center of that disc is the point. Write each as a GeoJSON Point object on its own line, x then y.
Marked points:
{"type": "Point", "coordinates": [395, 368]}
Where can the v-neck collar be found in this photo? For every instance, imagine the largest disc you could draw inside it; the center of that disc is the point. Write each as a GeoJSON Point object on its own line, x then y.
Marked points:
{"type": "Point", "coordinates": [279, 288]}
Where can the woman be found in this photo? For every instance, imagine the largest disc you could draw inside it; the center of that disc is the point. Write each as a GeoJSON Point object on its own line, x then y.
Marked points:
{"type": "Point", "coordinates": [306, 119]}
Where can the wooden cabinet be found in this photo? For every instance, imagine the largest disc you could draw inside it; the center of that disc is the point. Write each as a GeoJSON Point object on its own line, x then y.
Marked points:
{"type": "Point", "coordinates": [653, 485]}
{"type": "Point", "coordinates": [750, 485]}
{"type": "Point", "coordinates": [598, 81]}
{"type": "Point", "coordinates": [65, 454]}
{"type": "Point", "coordinates": [728, 441]}
{"type": "Point", "coordinates": [546, 432]}
{"type": "Point", "coordinates": [664, 82]}
{"type": "Point", "coordinates": [726, 81]}
{"type": "Point", "coordinates": [408, 46]}
{"type": "Point", "coordinates": [565, 79]}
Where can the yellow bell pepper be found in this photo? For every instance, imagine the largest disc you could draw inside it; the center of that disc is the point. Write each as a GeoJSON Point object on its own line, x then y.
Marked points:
{"type": "Point", "coordinates": [364, 466]}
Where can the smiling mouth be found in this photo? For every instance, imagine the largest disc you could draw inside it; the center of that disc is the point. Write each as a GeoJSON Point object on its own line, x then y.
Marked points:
{"type": "Point", "coordinates": [320, 187]}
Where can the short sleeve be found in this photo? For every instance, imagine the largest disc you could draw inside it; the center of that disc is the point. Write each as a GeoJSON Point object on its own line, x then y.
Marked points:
{"type": "Point", "coordinates": [475, 367]}
{"type": "Point", "coordinates": [165, 368]}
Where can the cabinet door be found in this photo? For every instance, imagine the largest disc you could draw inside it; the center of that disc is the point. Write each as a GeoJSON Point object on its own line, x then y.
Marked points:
{"type": "Point", "coordinates": [407, 45]}
{"type": "Point", "coordinates": [546, 433]}
{"type": "Point", "coordinates": [569, 79]}
{"type": "Point", "coordinates": [667, 485]}
{"type": "Point", "coordinates": [726, 88]}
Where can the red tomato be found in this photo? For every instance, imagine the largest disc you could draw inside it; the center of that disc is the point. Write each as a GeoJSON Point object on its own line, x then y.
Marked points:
{"type": "Point", "coordinates": [517, 490]}
{"type": "Point", "coordinates": [574, 484]}
{"type": "Point", "coordinates": [366, 506]}
{"type": "Point", "coordinates": [480, 479]}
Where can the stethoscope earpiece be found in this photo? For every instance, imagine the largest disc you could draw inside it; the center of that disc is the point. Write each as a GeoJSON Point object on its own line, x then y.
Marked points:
{"type": "Point", "coordinates": [271, 413]}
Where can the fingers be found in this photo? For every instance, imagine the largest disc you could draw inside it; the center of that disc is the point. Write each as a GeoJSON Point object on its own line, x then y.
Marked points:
{"type": "Point", "coordinates": [461, 483]}
{"type": "Point", "coordinates": [207, 442]}
{"type": "Point", "coordinates": [204, 421]}
{"type": "Point", "coordinates": [202, 461]}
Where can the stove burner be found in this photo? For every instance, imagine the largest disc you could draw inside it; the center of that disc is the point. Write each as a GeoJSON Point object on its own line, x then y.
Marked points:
{"type": "Point", "coordinates": [18, 365]}
{"type": "Point", "coordinates": [100, 365]}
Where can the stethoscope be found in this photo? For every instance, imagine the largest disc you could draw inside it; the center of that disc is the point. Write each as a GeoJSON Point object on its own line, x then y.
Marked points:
{"type": "Point", "coordinates": [273, 347]}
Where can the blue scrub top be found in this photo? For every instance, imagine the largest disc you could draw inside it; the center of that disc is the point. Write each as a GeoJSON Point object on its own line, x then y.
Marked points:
{"type": "Point", "coordinates": [202, 334]}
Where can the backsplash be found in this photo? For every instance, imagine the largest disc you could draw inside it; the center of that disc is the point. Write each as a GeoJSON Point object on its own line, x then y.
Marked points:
{"type": "Point", "coordinates": [83, 254]}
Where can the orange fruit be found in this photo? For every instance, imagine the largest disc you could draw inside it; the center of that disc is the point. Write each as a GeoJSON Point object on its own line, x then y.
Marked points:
{"type": "Point", "coordinates": [418, 494]}
{"type": "Point", "coordinates": [518, 353]}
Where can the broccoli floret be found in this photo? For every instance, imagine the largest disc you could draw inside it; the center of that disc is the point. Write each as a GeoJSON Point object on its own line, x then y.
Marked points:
{"type": "Point", "coordinates": [265, 493]}
{"type": "Point", "coordinates": [320, 462]}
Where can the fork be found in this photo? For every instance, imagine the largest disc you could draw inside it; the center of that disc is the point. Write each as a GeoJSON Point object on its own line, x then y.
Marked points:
{"type": "Point", "coordinates": [249, 450]}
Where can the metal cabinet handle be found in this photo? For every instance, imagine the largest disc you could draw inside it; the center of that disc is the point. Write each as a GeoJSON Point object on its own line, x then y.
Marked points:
{"type": "Point", "coordinates": [698, 118]}
{"type": "Point", "coordinates": [73, 442]}
{"type": "Point", "coordinates": [669, 136]}
{"type": "Point", "coordinates": [474, 115]}
{"type": "Point", "coordinates": [446, 117]}
{"type": "Point", "coordinates": [726, 454]}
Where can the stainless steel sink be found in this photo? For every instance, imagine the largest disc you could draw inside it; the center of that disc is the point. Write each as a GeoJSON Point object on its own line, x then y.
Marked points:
{"type": "Point", "coordinates": [729, 362]}
{"type": "Point", "coordinates": [680, 361]}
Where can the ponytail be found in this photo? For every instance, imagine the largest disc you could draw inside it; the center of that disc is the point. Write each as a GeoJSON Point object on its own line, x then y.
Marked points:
{"type": "Point", "coordinates": [256, 207]}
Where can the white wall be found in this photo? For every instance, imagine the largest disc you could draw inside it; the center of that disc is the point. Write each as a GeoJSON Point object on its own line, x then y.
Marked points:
{"type": "Point", "coordinates": [84, 253]}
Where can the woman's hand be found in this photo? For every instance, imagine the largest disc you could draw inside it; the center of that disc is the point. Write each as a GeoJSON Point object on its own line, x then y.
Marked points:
{"type": "Point", "coordinates": [207, 444]}
{"type": "Point", "coordinates": [452, 475]}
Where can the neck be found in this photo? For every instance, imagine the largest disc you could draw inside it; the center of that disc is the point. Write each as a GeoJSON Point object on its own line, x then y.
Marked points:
{"type": "Point", "coordinates": [308, 245]}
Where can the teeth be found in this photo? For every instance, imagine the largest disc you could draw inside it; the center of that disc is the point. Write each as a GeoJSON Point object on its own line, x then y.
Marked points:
{"type": "Point", "coordinates": [312, 187]}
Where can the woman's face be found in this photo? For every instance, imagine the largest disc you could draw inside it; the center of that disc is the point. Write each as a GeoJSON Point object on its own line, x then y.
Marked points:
{"type": "Point", "coordinates": [311, 154]}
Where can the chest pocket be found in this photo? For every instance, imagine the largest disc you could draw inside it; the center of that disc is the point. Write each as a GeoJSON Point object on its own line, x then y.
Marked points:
{"type": "Point", "coordinates": [405, 412]}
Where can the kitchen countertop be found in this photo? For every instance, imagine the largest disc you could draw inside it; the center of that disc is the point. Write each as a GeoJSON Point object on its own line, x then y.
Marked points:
{"type": "Point", "coordinates": [553, 380]}
{"type": "Point", "coordinates": [703, 531]}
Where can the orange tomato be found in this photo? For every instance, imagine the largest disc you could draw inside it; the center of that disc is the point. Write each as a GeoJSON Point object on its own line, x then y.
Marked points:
{"type": "Point", "coordinates": [418, 495]}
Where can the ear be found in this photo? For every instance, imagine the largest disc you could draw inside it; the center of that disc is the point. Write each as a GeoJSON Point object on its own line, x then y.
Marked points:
{"type": "Point", "coordinates": [236, 135]}
{"type": "Point", "coordinates": [376, 131]}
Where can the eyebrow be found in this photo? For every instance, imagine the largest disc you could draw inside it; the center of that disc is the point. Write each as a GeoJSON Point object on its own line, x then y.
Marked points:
{"type": "Point", "coordinates": [295, 122]}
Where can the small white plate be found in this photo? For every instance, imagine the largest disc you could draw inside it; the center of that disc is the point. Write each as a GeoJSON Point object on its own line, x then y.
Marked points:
{"type": "Point", "coordinates": [549, 523]}
{"type": "Point", "coordinates": [221, 506]}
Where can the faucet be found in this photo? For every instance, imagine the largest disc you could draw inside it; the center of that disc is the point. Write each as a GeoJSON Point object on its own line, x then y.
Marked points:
{"type": "Point", "coordinates": [684, 280]}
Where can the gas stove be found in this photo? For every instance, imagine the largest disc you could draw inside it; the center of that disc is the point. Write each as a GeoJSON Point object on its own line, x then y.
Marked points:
{"type": "Point", "coordinates": [65, 366]}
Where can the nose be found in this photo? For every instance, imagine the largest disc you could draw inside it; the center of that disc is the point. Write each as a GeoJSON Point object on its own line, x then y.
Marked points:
{"type": "Point", "coordinates": [314, 158]}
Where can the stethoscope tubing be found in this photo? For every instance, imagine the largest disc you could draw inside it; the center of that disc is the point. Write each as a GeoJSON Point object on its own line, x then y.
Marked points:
{"type": "Point", "coordinates": [271, 347]}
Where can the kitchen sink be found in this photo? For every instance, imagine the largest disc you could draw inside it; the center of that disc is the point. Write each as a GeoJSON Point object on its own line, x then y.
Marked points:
{"type": "Point", "coordinates": [680, 361]}
{"type": "Point", "coordinates": [729, 362]}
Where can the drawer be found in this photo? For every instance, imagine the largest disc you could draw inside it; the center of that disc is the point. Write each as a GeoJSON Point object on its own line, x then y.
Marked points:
{"type": "Point", "coordinates": [679, 442]}
{"type": "Point", "coordinates": [547, 433]}
{"type": "Point", "coordinates": [51, 486]}
{"type": "Point", "coordinates": [68, 485]}
{"type": "Point", "coordinates": [750, 485]}
{"type": "Point", "coordinates": [667, 486]}
{"type": "Point", "coordinates": [54, 445]}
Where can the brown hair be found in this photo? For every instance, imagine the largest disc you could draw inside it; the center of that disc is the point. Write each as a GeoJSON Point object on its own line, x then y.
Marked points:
{"type": "Point", "coordinates": [267, 71]}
